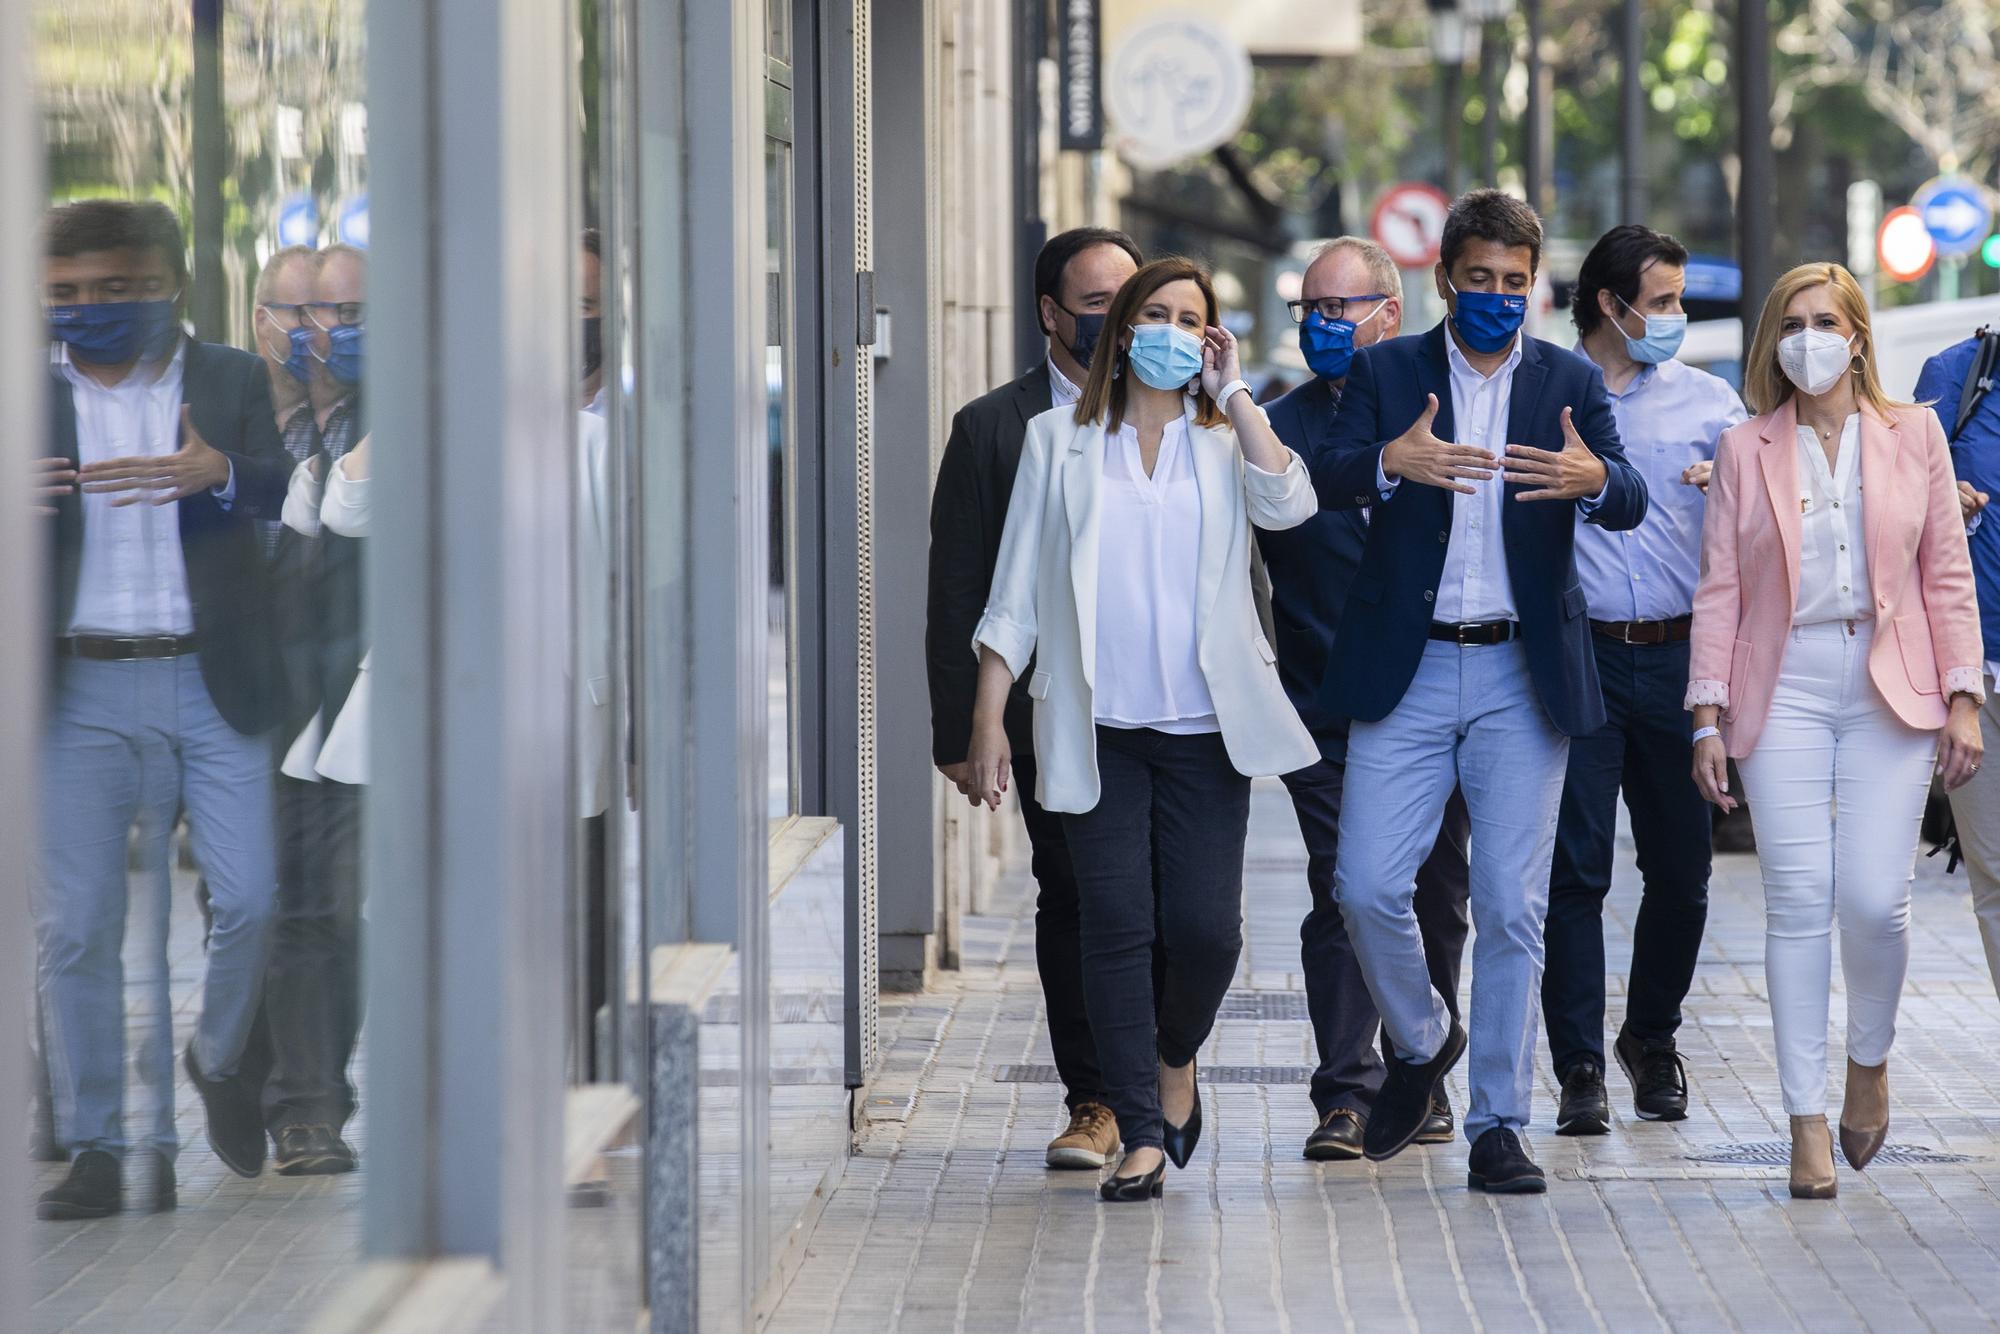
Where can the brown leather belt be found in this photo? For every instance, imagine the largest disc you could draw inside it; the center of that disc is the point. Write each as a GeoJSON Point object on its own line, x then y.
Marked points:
{"type": "Point", "coordinates": [104, 648]}
{"type": "Point", "coordinates": [1646, 632]}
{"type": "Point", "coordinates": [1473, 633]}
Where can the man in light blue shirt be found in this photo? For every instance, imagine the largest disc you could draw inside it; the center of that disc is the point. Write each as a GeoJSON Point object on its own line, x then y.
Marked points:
{"type": "Point", "coordinates": [1639, 587]}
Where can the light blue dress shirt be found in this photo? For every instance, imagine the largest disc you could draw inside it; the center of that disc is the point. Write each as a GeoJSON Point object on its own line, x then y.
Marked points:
{"type": "Point", "coordinates": [1669, 416]}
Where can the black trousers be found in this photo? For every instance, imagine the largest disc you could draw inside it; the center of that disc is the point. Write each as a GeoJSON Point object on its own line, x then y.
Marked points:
{"type": "Point", "coordinates": [312, 988]}
{"type": "Point", "coordinates": [1646, 746]}
{"type": "Point", "coordinates": [1058, 945]}
{"type": "Point", "coordinates": [1159, 859]}
{"type": "Point", "coordinates": [1346, 1027]}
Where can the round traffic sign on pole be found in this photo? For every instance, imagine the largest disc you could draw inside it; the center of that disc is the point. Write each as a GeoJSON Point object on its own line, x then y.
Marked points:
{"type": "Point", "coordinates": [1955, 213]}
{"type": "Point", "coordinates": [1905, 245]}
{"type": "Point", "coordinates": [1409, 223]}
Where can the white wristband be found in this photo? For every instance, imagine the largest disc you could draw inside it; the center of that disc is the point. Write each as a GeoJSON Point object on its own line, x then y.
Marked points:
{"type": "Point", "coordinates": [1703, 733]}
{"type": "Point", "coordinates": [1222, 399]}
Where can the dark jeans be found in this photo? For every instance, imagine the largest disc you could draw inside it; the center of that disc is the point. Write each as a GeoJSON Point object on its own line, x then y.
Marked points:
{"type": "Point", "coordinates": [312, 988]}
{"type": "Point", "coordinates": [1058, 950]}
{"type": "Point", "coordinates": [1646, 746]}
{"type": "Point", "coordinates": [1160, 857]}
{"type": "Point", "coordinates": [1345, 1025]}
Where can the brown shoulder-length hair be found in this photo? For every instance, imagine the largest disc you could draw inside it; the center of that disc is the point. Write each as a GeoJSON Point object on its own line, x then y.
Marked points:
{"type": "Point", "coordinates": [1765, 386]}
{"type": "Point", "coordinates": [1103, 396]}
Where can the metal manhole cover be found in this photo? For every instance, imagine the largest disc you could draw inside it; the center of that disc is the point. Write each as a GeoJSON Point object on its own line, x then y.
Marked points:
{"type": "Point", "coordinates": [1210, 1074]}
{"type": "Point", "coordinates": [1778, 1153]}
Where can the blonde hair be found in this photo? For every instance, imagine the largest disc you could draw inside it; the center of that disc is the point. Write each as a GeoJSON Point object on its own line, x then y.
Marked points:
{"type": "Point", "coordinates": [1765, 386]}
{"type": "Point", "coordinates": [1103, 396]}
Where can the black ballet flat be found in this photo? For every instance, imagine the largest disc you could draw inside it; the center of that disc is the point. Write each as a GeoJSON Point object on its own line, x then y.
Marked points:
{"type": "Point", "coordinates": [1179, 1141]}
{"type": "Point", "coordinates": [1128, 1190]}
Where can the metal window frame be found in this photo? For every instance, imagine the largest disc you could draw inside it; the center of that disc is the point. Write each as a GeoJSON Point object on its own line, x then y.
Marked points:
{"type": "Point", "coordinates": [23, 426]}
{"type": "Point", "coordinates": [469, 829]}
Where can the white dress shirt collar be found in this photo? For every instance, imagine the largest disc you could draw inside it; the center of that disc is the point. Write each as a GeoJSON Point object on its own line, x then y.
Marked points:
{"type": "Point", "coordinates": [1062, 390]}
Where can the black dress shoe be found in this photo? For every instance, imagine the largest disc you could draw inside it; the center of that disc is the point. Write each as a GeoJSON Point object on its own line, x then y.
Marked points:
{"type": "Point", "coordinates": [1659, 1077]}
{"type": "Point", "coordinates": [1179, 1140]}
{"type": "Point", "coordinates": [1404, 1103]}
{"type": "Point", "coordinates": [1440, 1127]}
{"type": "Point", "coordinates": [1126, 1190]}
{"type": "Point", "coordinates": [312, 1151]}
{"type": "Point", "coordinates": [1337, 1138]}
{"type": "Point", "coordinates": [1584, 1110]}
{"type": "Point", "coordinates": [1501, 1166]}
{"type": "Point", "coordinates": [91, 1190]}
{"type": "Point", "coordinates": [158, 1193]}
{"type": "Point", "coordinates": [235, 1121]}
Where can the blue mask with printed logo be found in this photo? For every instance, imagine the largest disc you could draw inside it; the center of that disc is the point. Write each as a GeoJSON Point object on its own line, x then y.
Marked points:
{"type": "Point", "coordinates": [112, 333]}
{"type": "Point", "coordinates": [343, 357]}
{"type": "Point", "coordinates": [300, 362]}
{"type": "Point", "coordinates": [1487, 321]}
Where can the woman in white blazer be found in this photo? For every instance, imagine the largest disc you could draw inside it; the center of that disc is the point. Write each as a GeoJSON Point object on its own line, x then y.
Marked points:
{"type": "Point", "coordinates": [1123, 581]}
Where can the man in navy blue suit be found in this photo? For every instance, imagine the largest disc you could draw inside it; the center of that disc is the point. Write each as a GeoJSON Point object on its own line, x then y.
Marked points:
{"type": "Point", "coordinates": [1350, 297]}
{"type": "Point", "coordinates": [1464, 659]}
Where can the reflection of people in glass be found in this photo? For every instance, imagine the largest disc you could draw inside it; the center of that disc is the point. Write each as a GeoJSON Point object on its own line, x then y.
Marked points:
{"type": "Point", "coordinates": [590, 295]}
{"type": "Point", "coordinates": [1124, 576]}
{"type": "Point", "coordinates": [162, 450]}
{"type": "Point", "coordinates": [592, 688]}
{"type": "Point", "coordinates": [313, 990]}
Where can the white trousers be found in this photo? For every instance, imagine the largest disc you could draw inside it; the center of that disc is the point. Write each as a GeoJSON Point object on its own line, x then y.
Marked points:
{"type": "Point", "coordinates": [1976, 808]}
{"type": "Point", "coordinates": [1836, 788]}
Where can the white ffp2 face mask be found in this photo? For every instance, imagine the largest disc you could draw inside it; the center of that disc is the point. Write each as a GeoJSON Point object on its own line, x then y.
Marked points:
{"type": "Point", "coordinates": [1814, 359]}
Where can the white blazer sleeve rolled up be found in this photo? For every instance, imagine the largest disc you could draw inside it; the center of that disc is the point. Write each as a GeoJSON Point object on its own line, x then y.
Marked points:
{"type": "Point", "coordinates": [1042, 607]}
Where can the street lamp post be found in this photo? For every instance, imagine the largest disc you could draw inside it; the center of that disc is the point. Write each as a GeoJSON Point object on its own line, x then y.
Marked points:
{"type": "Point", "coordinates": [1631, 113]}
{"type": "Point", "coordinates": [1754, 185]}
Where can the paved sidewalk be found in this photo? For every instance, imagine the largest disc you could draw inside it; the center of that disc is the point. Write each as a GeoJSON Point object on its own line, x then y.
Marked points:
{"type": "Point", "coordinates": [947, 1219]}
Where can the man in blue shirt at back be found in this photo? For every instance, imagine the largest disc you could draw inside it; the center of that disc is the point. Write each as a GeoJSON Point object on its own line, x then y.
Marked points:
{"type": "Point", "coordinates": [1975, 456]}
{"type": "Point", "coordinates": [1639, 586]}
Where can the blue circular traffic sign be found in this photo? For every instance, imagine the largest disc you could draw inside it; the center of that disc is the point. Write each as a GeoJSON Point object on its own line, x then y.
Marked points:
{"type": "Point", "coordinates": [1955, 213]}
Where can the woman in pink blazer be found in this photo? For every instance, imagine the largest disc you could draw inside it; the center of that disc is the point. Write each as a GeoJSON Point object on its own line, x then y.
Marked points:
{"type": "Point", "coordinates": [1836, 658]}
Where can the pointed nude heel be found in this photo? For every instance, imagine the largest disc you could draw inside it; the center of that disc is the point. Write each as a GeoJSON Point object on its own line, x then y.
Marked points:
{"type": "Point", "coordinates": [1864, 1113]}
{"type": "Point", "coordinates": [1812, 1160]}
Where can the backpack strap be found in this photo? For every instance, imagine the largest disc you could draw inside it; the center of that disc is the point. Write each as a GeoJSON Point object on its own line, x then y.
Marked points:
{"type": "Point", "coordinates": [1978, 378]}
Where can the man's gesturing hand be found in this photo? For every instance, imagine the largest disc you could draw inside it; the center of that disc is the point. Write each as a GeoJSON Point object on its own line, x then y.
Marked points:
{"type": "Point", "coordinates": [160, 479]}
{"type": "Point", "coordinates": [1573, 474]}
{"type": "Point", "coordinates": [54, 479]}
{"type": "Point", "coordinates": [1419, 456]}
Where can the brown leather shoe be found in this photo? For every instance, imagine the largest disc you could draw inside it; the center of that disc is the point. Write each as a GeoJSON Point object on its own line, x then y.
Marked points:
{"type": "Point", "coordinates": [1812, 1160]}
{"type": "Point", "coordinates": [1089, 1142]}
{"type": "Point", "coordinates": [1864, 1113]}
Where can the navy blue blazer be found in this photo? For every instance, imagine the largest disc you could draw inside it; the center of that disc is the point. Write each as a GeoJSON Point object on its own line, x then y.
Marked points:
{"type": "Point", "coordinates": [1389, 609]}
{"type": "Point", "coordinates": [1311, 567]}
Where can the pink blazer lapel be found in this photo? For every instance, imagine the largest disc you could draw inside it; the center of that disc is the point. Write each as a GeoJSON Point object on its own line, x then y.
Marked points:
{"type": "Point", "coordinates": [1779, 459]}
{"type": "Point", "coordinates": [1880, 442]}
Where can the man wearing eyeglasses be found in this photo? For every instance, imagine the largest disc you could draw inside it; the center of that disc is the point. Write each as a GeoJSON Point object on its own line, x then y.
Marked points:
{"type": "Point", "coordinates": [1350, 297]}
{"type": "Point", "coordinates": [165, 685]}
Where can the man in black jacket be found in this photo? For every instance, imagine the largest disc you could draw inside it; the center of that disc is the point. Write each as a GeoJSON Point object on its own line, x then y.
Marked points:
{"type": "Point", "coordinates": [165, 683]}
{"type": "Point", "coordinates": [1076, 275]}
{"type": "Point", "coordinates": [1351, 297]}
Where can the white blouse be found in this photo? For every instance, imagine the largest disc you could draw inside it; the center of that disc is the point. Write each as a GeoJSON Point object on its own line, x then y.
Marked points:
{"type": "Point", "coordinates": [1833, 559]}
{"type": "Point", "coordinates": [1148, 572]}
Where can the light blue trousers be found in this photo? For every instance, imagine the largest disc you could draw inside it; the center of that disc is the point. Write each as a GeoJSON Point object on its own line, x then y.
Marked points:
{"type": "Point", "coordinates": [1470, 719]}
{"type": "Point", "coordinates": [134, 743]}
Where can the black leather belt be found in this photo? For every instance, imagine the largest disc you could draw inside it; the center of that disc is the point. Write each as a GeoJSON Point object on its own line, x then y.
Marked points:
{"type": "Point", "coordinates": [1675, 631]}
{"type": "Point", "coordinates": [1476, 632]}
{"type": "Point", "coordinates": [104, 648]}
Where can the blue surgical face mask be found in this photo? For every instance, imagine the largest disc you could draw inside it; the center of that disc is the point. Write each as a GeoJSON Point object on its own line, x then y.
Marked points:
{"type": "Point", "coordinates": [299, 364]}
{"type": "Point", "coordinates": [112, 333]}
{"type": "Point", "coordinates": [1164, 356]}
{"type": "Point", "coordinates": [343, 357]}
{"type": "Point", "coordinates": [1328, 345]}
{"type": "Point", "coordinates": [1487, 321]}
{"type": "Point", "coordinates": [1663, 337]}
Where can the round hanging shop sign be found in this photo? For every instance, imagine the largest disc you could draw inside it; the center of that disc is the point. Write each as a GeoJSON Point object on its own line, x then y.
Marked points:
{"type": "Point", "coordinates": [1176, 86]}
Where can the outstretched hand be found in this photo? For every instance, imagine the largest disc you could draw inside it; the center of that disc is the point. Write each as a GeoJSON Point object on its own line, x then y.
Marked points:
{"type": "Point", "coordinates": [1418, 455]}
{"type": "Point", "coordinates": [160, 479]}
{"type": "Point", "coordinates": [1573, 473]}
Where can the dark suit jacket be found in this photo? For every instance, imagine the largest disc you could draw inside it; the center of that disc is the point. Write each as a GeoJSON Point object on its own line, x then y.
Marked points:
{"type": "Point", "coordinates": [975, 482]}
{"type": "Point", "coordinates": [1311, 567]}
{"type": "Point", "coordinates": [228, 579]}
{"type": "Point", "coordinates": [1389, 609]}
